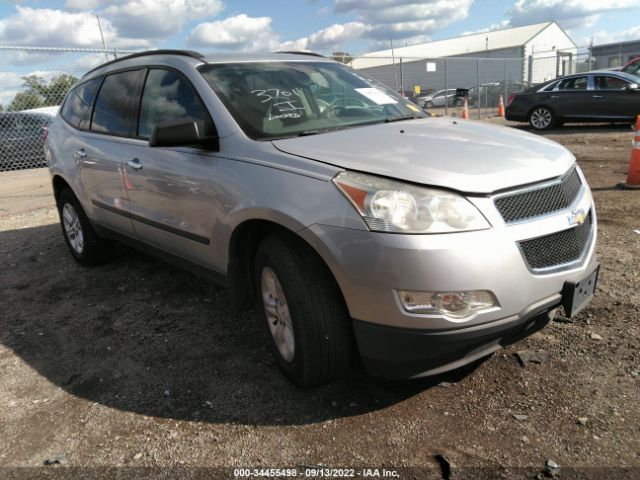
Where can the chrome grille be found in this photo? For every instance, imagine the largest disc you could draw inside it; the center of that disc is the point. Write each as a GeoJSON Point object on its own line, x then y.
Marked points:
{"type": "Point", "coordinates": [541, 201]}
{"type": "Point", "coordinates": [557, 249]}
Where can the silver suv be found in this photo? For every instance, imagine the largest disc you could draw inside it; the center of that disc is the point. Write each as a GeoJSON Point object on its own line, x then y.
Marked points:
{"type": "Point", "coordinates": [357, 225]}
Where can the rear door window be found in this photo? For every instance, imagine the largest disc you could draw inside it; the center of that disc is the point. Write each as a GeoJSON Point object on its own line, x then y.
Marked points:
{"type": "Point", "coordinates": [575, 83]}
{"type": "Point", "coordinates": [167, 96]}
{"type": "Point", "coordinates": [115, 108]}
{"type": "Point", "coordinates": [611, 83]}
{"type": "Point", "coordinates": [77, 108]}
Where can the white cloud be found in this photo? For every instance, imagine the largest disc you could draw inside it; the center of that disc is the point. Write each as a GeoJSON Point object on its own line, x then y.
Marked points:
{"type": "Point", "coordinates": [157, 19]}
{"type": "Point", "coordinates": [568, 13]}
{"type": "Point", "coordinates": [55, 28]}
{"type": "Point", "coordinates": [603, 37]}
{"type": "Point", "coordinates": [239, 33]}
{"type": "Point", "coordinates": [330, 36]}
{"type": "Point", "coordinates": [125, 23]}
{"type": "Point", "coordinates": [402, 19]}
{"type": "Point", "coordinates": [81, 4]}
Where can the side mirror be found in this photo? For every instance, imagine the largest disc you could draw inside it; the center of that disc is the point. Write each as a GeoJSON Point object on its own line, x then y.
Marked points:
{"type": "Point", "coordinates": [175, 133]}
{"type": "Point", "coordinates": [633, 87]}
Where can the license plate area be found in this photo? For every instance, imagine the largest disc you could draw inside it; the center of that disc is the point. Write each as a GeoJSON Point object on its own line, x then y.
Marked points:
{"type": "Point", "coordinates": [577, 295]}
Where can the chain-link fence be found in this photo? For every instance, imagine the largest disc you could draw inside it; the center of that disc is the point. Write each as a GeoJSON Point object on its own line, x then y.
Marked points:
{"type": "Point", "coordinates": [440, 84]}
{"type": "Point", "coordinates": [33, 84]}
{"type": "Point", "coordinates": [35, 80]}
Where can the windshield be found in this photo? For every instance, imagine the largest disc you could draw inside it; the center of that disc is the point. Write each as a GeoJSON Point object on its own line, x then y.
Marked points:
{"type": "Point", "coordinates": [633, 68]}
{"type": "Point", "coordinates": [283, 99]}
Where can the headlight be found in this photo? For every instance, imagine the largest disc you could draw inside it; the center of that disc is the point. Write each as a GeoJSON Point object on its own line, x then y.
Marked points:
{"type": "Point", "coordinates": [393, 206]}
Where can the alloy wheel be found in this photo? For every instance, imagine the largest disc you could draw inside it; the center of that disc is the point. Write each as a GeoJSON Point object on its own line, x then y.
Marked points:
{"type": "Point", "coordinates": [278, 316]}
{"type": "Point", "coordinates": [541, 118]}
{"type": "Point", "coordinates": [73, 228]}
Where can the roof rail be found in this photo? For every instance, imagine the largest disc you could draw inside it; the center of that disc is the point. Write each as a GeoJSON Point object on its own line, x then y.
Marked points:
{"type": "Point", "coordinates": [302, 52]}
{"type": "Point", "coordinates": [185, 53]}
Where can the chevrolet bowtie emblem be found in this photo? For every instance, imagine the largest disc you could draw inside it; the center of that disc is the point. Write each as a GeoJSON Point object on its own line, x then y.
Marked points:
{"type": "Point", "coordinates": [577, 217]}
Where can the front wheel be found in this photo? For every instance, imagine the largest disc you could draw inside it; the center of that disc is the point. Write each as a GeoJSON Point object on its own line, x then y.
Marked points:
{"type": "Point", "coordinates": [542, 118]}
{"type": "Point", "coordinates": [304, 315]}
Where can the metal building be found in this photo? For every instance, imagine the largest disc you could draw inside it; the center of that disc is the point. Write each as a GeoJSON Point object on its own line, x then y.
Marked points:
{"type": "Point", "coordinates": [528, 54]}
{"type": "Point", "coordinates": [613, 55]}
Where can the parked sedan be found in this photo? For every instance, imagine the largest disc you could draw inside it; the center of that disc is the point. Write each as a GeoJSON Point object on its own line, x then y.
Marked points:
{"type": "Point", "coordinates": [437, 99]}
{"type": "Point", "coordinates": [22, 137]}
{"type": "Point", "coordinates": [586, 97]}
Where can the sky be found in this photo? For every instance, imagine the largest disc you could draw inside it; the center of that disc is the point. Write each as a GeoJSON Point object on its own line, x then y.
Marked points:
{"type": "Point", "coordinates": [356, 26]}
{"type": "Point", "coordinates": [325, 26]}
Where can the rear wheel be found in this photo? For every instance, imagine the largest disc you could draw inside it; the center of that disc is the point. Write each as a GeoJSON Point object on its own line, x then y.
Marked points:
{"type": "Point", "coordinates": [83, 242]}
{"type": "Point", "coordinates": [306, 320]}
{"type": "Point", "coordinates": [542, 118]}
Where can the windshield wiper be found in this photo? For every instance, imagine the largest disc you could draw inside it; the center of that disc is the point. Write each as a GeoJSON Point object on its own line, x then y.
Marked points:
{"type": "Point", "coordinates": [399, 118]}
{"type": "Point", "coordinates": [315, 131]}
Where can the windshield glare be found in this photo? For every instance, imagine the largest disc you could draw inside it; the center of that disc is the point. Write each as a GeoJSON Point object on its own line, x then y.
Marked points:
{"type": "Point", "coordinates": [283, 99]}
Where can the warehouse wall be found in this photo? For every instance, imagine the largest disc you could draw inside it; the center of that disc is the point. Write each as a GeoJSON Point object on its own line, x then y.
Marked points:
{"type": "Point", "coordinates": [608, 56]}
{"type": "Point", "coordinates": [461, 71]}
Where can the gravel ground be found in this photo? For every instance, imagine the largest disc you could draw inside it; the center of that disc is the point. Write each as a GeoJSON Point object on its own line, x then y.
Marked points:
{"type": "Point", "coordinates": [136, 369]}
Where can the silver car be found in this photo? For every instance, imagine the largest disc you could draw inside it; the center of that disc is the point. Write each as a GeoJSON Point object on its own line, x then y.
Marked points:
{"type": "Point", "coordinates": [439, 98]}
{"type": "Point", "coordinates": [358, 226]}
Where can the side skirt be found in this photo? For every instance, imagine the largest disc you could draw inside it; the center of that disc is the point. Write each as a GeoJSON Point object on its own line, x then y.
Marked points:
{"type": "Point", "coordinates": [214, 276]}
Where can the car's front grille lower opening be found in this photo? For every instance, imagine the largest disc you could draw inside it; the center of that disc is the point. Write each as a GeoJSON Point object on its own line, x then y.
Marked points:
{"type": "Point", "coordinates": [557, 249]}
{"type": "Point", "coordinates": [542, 201]}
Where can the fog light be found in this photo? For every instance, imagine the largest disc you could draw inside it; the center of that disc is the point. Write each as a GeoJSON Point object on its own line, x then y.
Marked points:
{"type": "Point", "coordinates": [452, 304]}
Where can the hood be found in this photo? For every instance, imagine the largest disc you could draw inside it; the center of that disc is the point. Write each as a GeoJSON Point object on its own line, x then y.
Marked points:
{"type": "Point", "coordinates": [462, 155]}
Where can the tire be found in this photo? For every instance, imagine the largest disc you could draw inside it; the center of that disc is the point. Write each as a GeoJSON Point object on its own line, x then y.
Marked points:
{"type": "Point", "coordinates": [542, 118]}
{"type": "Point", "coordinates": [429, 104]}
{"type": "Point", "coordinates": [303, 313]}
{"type": "Point", "coordinates": [458, 102]}
{"type": "Point", "coordinates": [82, 241]}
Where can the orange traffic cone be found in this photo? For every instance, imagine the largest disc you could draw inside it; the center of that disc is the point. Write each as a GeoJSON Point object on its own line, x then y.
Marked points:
{"type": "Point", "coordinates": [501, 107]}
{"type": "Point", "coordinates": [633, 177]}
{"type": "Point", "coordinates": [465, 110]}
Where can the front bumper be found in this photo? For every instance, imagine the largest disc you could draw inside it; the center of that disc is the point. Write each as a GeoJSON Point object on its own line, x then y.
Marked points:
{"type": "Point", "coordinates": [402, 353]}
{"type": "Point", "coordinates": [371, 267]}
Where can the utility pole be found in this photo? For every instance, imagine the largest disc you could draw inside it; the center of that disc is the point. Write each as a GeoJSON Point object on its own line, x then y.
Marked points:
{"type": "Point", "coordinates": [104, 44]}
{"type": "Point", "coordinates": [393, 61]}
{"type": "Point", "coordinates": [486, 65]}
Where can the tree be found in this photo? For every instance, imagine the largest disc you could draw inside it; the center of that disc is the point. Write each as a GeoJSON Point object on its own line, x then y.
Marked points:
{"type": "Point", "coordinates": [25, 101]}
{"type": "Point", "coordinates": [40, 93]}
{"type": "Point", "coordinates": [342, 57]}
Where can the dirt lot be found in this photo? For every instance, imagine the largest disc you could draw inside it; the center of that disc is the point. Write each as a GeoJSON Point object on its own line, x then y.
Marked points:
{"type": "Point", "coordinates": [137, 365]}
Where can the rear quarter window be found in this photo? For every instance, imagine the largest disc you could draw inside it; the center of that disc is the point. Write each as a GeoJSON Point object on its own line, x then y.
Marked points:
{"type": "Point", "coordinates": [77, 108]}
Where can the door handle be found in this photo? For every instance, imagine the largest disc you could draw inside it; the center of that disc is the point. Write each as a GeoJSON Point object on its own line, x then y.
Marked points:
{"type": "Point", "coordinates": [135, 164]}
{"type": "Point", "coordinates": [555, 96]}
{"type": "Point", "coordinates": [597, 96]}
{"type": "Point", "coordinates": [80, 153]}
